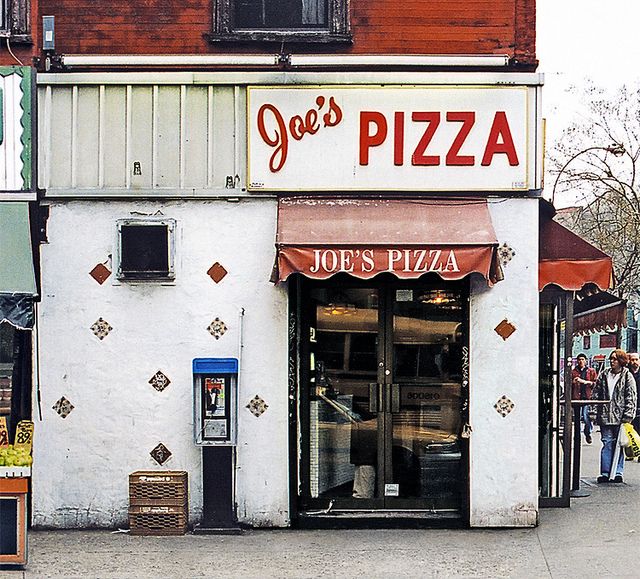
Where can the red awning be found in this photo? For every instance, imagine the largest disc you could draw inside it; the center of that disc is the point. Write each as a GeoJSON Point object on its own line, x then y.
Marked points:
{"type": "Point", "coordinates": [320, 237]}
{"type": "Point", "coordinates": [570, 262]}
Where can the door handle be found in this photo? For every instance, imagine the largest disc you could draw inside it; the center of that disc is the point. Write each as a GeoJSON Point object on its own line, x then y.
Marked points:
{"type": "Point", "coordinates": [373, 398]}
{"type": "Point", "coordinates": [395, 397]}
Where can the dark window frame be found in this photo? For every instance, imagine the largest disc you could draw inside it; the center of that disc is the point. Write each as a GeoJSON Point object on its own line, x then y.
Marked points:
{"type": "Point", "coordinates": [143, 275]}
{"type": "Point", "coordinates": [16, 21]}
{"type": "Point", "coordinates": [337, 30]}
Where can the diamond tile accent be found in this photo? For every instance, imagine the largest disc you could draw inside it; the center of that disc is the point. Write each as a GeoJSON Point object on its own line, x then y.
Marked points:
{"type": "Point", "coordinates": [63, 407]}
{"type": "Point", "coordinates": [257, 406]}
{"type": "Point", "coordinates": [160, 454]}
{"type": "Point", "coordinates": [217, 328]}
{"type": "Point", "coordinates": [101, 328]}
{"type": "Point", "coordinates": [217, 272]}
{"type": "Point", "coordinates": [100, 273]}
{"type": "Point", "coordinates": [504, 406]}
{"type": "Point", "coordinates": [504, 329]}
{"type": "Point", "coordinates": [159, 381]}
{"type": "Point", "coordinates": [505, 254]}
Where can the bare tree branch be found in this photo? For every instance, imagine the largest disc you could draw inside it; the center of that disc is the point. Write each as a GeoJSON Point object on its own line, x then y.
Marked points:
{"type": "Point", "coordinates": [596, 162]}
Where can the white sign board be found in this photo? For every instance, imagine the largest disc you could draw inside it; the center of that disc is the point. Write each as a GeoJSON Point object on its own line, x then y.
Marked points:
{"type": "Point", "coordinates": [410, 138]}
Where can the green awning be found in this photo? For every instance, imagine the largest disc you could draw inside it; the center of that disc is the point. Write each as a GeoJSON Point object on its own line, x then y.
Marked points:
{"type": "Point", "coordinates": [17, 278]}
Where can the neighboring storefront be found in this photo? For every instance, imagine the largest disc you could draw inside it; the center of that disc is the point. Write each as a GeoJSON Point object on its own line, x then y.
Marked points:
{"type": "Point", "coordinates": [367, 251]}
{"type": "Point", "coordinates": [569, 268]}
{"type": "Point", "coordinates": [18, 289]}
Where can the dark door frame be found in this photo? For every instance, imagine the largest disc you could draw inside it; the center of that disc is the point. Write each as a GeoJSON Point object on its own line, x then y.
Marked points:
{"type": "Point", "coordinates": [299, 374]}
{"type": "Point", "coordinates": [563, 301]}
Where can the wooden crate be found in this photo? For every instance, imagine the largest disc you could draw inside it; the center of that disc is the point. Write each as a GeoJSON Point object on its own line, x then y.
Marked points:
{"type": "Point", "coordinates": [159, 488]}
{"type": "Point", "coordinates": [158, 520]}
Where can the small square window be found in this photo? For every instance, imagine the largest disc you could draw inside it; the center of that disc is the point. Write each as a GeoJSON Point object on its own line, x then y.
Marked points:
{"type": "Point", "coordinates": [146, 250]}
{"type": "Point", "coordinates": [277, 20]}
{"type": "Point", "coordinates": [586, 342]}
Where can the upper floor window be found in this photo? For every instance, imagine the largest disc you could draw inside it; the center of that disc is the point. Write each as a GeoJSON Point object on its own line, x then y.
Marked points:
{"type": "Point", "coordinates": [281, 14]}
{"type": "Point", "coordinates": [14, 20]}
{"type": "Point", "coordinates": [277, 20]}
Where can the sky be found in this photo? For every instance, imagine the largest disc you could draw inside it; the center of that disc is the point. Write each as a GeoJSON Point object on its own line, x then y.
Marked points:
{"type": "Point", "coordinates": [580, 39]}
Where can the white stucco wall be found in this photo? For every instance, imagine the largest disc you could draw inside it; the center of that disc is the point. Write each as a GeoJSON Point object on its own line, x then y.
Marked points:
{"type": "Point", "coordinates": [82, 462]}
{"type": "Point", "coordinates": [504, 451]}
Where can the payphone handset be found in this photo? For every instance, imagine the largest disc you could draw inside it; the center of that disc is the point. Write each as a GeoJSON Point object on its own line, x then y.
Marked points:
{"type": "Point", "coordinates": [215, 400]}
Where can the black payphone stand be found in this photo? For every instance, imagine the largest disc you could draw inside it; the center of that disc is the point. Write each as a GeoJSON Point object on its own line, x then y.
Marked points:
{"type": "Point", "coordinates": [215, 404]}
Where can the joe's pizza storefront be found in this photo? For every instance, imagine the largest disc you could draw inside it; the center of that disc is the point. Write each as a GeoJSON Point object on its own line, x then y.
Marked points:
{"type": "Point", "coordinates": [383, 383]}
{"type": "Point", "coordinates": [413, 340]}
{"type": "Point", "coordinates": [390, 369]}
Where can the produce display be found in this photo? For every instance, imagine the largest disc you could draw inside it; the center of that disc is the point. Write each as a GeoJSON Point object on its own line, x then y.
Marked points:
{"type": "Point", "coordinates": [17, 454]}
{"type": "Point", "coordinates": [11, 456]}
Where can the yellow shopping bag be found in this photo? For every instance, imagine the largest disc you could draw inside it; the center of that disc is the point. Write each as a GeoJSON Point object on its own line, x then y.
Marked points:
{"type": "Point", "coordinates": [632, 450]}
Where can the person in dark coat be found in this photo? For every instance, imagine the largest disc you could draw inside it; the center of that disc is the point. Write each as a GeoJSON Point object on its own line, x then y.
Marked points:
{"type": "Point", "coordinates": [583, 380]}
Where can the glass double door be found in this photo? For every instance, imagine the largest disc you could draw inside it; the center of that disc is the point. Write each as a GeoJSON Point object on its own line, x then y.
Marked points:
{"type": "Point", "coordinates": [385, 397]}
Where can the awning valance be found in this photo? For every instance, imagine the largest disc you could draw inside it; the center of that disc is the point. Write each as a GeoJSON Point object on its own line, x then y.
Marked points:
{"type": "Point", "coordinates": [320, 237]}
{"type": "Point", "coordinates": [570, 262]}
{"type": "Point", "coordinates": [600, 312]}
{"type": "Point", "coordinates": [17, 278]}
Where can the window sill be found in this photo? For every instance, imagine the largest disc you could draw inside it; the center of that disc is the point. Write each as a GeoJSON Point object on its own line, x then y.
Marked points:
{"type": "Point", "coordinates": [16, 38]}
{"type": "Point", "coordinates": [166, 279]}
{"type": "Point", "coordinates": [241, 36]}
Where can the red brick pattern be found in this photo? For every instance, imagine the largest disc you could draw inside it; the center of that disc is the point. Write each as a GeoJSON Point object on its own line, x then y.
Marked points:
{"type": "Point", "coordinates": [378, 26]}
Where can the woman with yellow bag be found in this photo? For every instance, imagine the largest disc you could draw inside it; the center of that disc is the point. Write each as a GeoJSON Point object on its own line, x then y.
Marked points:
{"type": "Point", "coordinates": [617, 386]}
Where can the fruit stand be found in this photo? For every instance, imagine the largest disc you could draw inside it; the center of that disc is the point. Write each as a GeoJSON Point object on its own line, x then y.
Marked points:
{"type": "Point", "coordinates": [15, 470]}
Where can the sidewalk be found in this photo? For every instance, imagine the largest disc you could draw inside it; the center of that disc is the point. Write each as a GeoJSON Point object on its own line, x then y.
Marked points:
{"type": "Point", "coordinates": [597, 537]}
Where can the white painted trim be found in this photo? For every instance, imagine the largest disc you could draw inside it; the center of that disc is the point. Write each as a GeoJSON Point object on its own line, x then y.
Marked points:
{"type": "Point", "coordinates": [86, 60]}
{"type": "Point", "coordinates": [315, 60]}
{"type": "Point", "coordinates": [18, 196]}
{"type": "Point", "coordinates": [293, 78]}
{"type": "Point", "coordinates": [210, 140]}
{"type": "Point", "coordinates": [398, 60]}
{"type": "Point", "coordinates": [146, 193]}
{"type": "Point", "coordinates": [74, 136]}
{"type": "Point", "coordinates": [101, 134]}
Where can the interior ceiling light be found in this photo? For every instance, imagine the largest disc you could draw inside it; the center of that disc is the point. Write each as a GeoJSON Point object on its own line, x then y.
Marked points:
{"type": "Point", "coordinates": [437, 297]}
{"type": "Point", "coordinates": [339, 309]}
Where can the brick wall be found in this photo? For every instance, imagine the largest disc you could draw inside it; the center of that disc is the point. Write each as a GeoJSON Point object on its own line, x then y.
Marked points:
{"type": "Point", "coordinates": [378, 26]}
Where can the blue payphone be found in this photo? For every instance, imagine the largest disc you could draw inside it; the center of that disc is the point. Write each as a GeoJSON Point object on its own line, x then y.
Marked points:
{"type": "Point", "coordinates": [215, 400]}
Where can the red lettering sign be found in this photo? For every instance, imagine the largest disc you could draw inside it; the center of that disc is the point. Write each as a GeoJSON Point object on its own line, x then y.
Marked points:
{"type": "Point", "coordinates": [374, 130]}
{"type": "Point", "coordinates": [366, 262]}
{"type": "Point", "coordinates": [275, 131]}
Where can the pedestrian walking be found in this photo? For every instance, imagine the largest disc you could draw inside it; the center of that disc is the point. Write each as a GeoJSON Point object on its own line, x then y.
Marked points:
{"type": "Point", "coordinates": [583, 379]}
{"type": "Point", "coordinates": [634, 368]}
{"type": "Point", "coordinates": [617, 386]}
